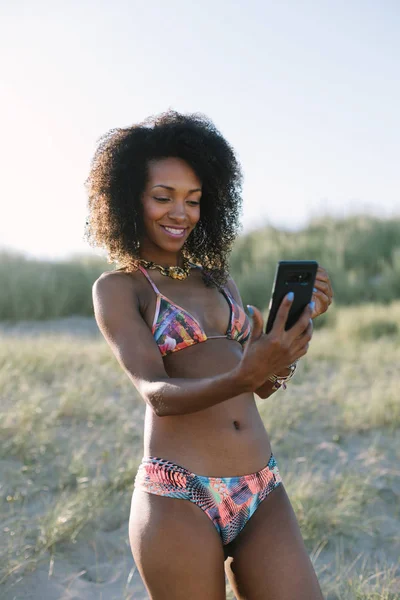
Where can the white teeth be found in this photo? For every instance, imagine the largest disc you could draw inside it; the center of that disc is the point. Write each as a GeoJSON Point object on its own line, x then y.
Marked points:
{"type": "Point", "coordinates": [175, 231]}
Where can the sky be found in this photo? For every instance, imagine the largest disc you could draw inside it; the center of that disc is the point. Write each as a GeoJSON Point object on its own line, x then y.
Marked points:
{"type": "Point", "coordinates": [306, 92]}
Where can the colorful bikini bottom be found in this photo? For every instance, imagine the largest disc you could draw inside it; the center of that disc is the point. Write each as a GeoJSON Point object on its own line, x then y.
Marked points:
{"type": "Point", "coordinates": [228, 501]}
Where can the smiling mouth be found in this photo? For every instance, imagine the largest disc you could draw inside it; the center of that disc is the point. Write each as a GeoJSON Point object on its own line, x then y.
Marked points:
{"type": "Point", "coordinates": [176, 232]}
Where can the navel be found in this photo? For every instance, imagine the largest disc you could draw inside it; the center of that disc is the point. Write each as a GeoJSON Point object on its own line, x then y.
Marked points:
{"type": "Point", "coordinates": [236, 424]}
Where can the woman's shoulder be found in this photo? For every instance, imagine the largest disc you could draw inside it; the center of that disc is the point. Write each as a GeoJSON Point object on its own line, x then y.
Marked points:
{"type": "Point", "coordinates": [120, 278]}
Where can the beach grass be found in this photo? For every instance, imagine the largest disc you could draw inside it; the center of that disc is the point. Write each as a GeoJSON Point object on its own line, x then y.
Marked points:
{"type": "Point", "coordinates": [71, 435]}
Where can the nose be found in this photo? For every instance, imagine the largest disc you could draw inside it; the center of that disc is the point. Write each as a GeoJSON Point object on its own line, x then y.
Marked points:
{"type": "Point", "coordinates": [177, 212]}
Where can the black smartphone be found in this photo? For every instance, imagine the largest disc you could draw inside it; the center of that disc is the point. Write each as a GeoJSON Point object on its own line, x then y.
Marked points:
{"type": "Point", "coordinates": [297, 276]}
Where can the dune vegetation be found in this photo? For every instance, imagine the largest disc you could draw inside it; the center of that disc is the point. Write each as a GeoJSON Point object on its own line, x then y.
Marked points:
{"type": "Point", "coordinates": [71, 423]}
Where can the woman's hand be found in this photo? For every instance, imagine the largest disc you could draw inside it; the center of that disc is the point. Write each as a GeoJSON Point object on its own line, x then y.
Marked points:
{"type": "Point", "coordinates": [270, 353]}
{"type": "Point", "coordinates": [324, 294]}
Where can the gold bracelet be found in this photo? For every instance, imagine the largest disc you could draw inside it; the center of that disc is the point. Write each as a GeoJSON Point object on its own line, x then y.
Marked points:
{"type": "Point", "coordinates": [281, 381]}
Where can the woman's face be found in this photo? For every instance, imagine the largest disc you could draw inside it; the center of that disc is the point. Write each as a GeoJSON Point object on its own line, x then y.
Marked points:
{"type": "Point", "coordinates": [171, 205]}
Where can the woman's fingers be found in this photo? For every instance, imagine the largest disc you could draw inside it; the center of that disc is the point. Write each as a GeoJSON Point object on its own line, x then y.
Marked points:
{"type": "Point", "coordinates": [323, 283]}
{"type": "Point", "coordinates": [258, 322]}
{"type": "Point", "coordinates": [282, 315]}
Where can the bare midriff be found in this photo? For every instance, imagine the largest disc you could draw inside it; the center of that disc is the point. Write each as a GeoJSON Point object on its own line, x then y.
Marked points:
{"type": "Point", "coordinates": [224, 440]}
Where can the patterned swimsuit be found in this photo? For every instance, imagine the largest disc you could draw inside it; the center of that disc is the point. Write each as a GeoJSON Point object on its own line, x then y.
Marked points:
{"type": "Point", "coordinates": [228, 501]}
{"type": "Point", "coordinates": [175, 329]}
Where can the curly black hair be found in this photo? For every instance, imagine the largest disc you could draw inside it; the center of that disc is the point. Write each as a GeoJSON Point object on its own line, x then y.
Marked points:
{"type": "Point", "coordinates": [118, 175]}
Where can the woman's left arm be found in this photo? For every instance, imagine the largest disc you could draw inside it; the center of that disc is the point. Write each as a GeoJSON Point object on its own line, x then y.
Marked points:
{"type": "Point", "coordinates": [323, 299]}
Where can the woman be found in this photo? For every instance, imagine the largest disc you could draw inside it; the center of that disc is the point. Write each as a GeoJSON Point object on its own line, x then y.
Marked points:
{"type": "Point", "coordinates": [164, 200]}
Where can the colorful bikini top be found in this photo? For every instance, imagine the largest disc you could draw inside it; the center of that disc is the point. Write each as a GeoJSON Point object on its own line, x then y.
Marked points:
{"type": "Point", "coordinates": [174, 328]}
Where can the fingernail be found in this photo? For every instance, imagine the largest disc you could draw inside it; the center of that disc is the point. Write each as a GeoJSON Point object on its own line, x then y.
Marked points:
{"type": "Point", "coordinates": [250, 310]}
{"type": "Point", "coordinates": [315, 290]}
{"type": "Point", "coordinates": [312, 305]}
{"type": "Point", "coordinates": [290, 296]}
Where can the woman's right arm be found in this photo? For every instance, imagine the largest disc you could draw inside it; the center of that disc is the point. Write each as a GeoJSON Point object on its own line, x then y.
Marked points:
{"type": "Point", "coordinates": [118, 317]}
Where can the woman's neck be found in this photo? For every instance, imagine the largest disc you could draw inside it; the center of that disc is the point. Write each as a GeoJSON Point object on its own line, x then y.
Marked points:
{"type": "Point", "coordinates": [162, 259]}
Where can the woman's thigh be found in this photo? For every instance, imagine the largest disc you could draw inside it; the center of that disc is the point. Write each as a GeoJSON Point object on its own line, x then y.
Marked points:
{"type": "Point", "coordinates": [268, 559]}
{"type": "Point", "coordinates": [176, 548]}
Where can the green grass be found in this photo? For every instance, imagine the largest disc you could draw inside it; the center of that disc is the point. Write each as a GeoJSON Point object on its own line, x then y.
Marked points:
{"type": "Point", "coordinates": [361, 254]}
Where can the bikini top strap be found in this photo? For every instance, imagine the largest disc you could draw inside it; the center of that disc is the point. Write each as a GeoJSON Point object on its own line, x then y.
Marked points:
{"type": "Point", "coordinates": [149, 279]}
{"type": "Point", "coordinates": [224, 288]}
{"type": "Point", "coordinates": [227, 294]}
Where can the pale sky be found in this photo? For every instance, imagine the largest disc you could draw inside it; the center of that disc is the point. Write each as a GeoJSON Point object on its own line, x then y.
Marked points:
{"type": "Point", "coordinates": [307, 92]}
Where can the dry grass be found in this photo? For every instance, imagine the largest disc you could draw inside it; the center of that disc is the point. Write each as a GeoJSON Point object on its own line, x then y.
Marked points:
{"type": "Point", "coordinates": [71, 429]}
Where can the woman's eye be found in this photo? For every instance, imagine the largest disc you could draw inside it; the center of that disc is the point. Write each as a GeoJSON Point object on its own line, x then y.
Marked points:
{"type": "Point", "coordinates": [192, 202]}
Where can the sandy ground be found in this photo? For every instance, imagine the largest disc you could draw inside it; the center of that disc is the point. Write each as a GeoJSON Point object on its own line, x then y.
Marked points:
{"type": "Point", "coordinates": [101, 566]}
{"type": "Point", "coordinates": [76, 576]}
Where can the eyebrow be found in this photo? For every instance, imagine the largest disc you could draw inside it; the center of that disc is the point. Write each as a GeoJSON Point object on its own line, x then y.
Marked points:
{"type": "Point", "coordinates": [167, 187]}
